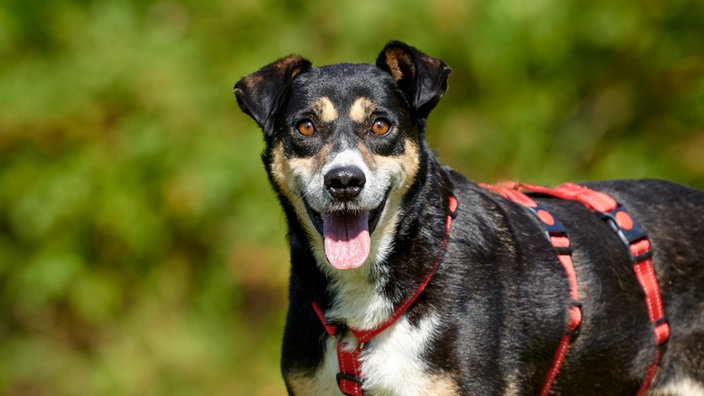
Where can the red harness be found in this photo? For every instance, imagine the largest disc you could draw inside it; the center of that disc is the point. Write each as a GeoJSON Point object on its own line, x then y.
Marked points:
{"type": "Point", "coordinates": [349, 378]}
{"type": "Point", "coordinates": [631, 235]}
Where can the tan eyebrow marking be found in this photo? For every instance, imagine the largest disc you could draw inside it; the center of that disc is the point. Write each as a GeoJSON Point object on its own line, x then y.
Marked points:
{"type": "Point", "coordinates": [324, 109]}
{"type": "Point", "coordinates": [361, 109]}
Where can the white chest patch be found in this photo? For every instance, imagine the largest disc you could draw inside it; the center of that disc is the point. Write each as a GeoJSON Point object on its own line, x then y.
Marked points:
{"type": "Point", "coordinates": [391, 362]}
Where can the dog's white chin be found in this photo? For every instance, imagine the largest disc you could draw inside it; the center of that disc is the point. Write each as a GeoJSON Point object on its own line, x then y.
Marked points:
{"type": "Point", "coordinates": [346, 239]}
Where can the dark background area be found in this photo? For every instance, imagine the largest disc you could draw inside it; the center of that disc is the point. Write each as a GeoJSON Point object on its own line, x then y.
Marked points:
{"type": "Point", "coordinates": [142, 251]}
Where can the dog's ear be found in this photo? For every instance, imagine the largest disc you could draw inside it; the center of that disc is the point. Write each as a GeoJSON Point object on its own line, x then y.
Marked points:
{"type": "Point", "coordinates": [259, 94]}
{"type": "Point", "coordinates": [422, 78]}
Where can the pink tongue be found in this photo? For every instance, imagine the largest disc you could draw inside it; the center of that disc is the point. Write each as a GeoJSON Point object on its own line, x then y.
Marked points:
{"type": "Point", "coordinates": [347, 241]}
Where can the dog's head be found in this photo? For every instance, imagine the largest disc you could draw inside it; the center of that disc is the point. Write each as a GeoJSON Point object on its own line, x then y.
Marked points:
{"type": "Point", "coordinates": [345, 143]}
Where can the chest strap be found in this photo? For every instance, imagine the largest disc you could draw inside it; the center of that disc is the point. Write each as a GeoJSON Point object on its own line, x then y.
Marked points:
{"type": "Point", "coordinates": [349, 377]}
{"type": "Point", "coordinates": [633, 237]}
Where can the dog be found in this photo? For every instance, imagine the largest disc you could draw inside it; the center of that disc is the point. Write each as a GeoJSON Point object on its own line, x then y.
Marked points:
{"type": "Point", "coordinates": [408, 279]}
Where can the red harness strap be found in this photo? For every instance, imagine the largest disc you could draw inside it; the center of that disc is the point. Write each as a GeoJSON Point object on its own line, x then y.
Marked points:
{"type": "Point", "coordinates": [349, 378]}
{"type": "Point", "coordinates": [557, 235]}
{"type": "Point", "coordinates": [634, 238]}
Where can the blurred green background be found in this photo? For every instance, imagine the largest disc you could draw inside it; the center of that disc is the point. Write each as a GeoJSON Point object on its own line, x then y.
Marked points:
{"type": "Point", "coordinates": [141, 249]}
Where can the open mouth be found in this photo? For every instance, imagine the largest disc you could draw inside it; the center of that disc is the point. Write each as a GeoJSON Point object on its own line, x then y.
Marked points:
{"type": "Point", "coordinates": [346, 234]}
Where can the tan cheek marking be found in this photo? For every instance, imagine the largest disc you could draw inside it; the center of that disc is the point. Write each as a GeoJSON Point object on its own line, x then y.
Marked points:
{"type": "Point", "coordinates": [279, 171]}
{"type": "Point", "coordinates": [284, 170]}
{"type": "Point", "coordinates": [291, 176]}
{"type": "Point", "coordinates": [361, 109]}
{"type": "Point", "coordinates": [324, 109]}
{"type": "Point", "coordinates": [411, 162]}
{"type": "Point", "coordinates": [408, 162]}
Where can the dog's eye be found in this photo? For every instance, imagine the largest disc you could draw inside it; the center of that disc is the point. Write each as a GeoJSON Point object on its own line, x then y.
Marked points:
{"type": "Point", "coordinates": [380, 126]}
{"type": "Point", "coordinates": [306, 127]}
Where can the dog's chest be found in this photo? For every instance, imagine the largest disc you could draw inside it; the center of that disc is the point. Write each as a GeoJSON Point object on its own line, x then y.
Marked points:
{"type": "Point", "coordinates": [392, 363]}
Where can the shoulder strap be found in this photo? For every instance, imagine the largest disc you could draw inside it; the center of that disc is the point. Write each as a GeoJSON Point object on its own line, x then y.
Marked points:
{"type": "Point", "coordinates": [558, 237]}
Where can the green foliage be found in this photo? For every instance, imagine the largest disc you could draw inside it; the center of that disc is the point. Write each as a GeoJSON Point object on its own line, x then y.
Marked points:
{"type": "Point", "coordinates": [141, 248]}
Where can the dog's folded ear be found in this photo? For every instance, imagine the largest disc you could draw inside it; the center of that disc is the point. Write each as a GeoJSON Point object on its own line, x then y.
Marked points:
{"type": "Point", "coordinates": [259, 94]}
{"type": "Point", "coordinates": [422, 78]}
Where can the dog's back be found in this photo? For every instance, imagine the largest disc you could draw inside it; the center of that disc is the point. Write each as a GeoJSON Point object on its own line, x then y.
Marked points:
{"type": "Point", "coordinates": [616, 343]}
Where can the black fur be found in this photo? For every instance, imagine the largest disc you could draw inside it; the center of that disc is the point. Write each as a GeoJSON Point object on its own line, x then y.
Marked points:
{"type": "Point", "coordinates": [500, 291]}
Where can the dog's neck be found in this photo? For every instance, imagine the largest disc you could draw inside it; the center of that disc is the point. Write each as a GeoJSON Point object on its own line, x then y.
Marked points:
{"type": "Point", "coordinates": [365, 297]}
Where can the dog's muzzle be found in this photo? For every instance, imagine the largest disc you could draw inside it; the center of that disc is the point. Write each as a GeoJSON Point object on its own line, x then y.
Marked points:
{"type": "Point", "coordinates": [346, 230]}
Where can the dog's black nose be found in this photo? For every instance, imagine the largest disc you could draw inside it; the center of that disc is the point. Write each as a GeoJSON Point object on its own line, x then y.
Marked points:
{"type": "Point", "coordinates": [345, 182]}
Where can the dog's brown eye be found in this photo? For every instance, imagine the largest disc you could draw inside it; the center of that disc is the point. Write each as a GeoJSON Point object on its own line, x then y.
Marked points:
{"type": "Point", "coordinates": [380, 126]}
{"type": "Point", "coordinates": [306, 127]}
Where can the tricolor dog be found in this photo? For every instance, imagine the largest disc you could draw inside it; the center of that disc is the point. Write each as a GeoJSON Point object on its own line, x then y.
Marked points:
{"type": "Point", "coordinates": [409, 279]}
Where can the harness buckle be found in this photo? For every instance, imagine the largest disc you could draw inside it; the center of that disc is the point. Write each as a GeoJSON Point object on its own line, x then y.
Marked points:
{"type": "Point", "coordinates": [575, 320]}
{"type": "Point", "coordinates": [627, 229]}
{"type": "Point", "coordinates": [662, 332]}
{"type": "Point", "coordinates": [346, 377]}
{"type": "Point", "coordinates": [562, 250]}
